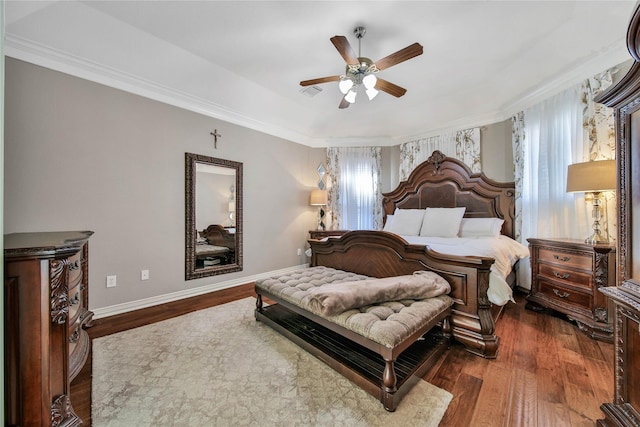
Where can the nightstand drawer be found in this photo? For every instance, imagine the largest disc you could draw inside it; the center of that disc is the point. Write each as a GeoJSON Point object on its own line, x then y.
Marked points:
{"type": "Point", "coordinates": [566, 259]}
{"type": "Point", "coordinates": [569, 276]}
{"type": "Point", "coordinates": [565, 296]}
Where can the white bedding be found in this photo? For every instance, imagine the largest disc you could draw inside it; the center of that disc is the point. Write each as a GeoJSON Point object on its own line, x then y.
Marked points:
{"type": "Point", "coordinates": [503, 249]}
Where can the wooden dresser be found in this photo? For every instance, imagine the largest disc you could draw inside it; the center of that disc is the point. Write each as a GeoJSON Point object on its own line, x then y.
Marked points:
{"type": "Point", "coordinates": [46, 310]}
{"type": "Point", "coordinates": [566, 276]}
{"type": "Point", "coordinates": [321, 234]}
{"type": "Point", "coordinates": [624, 98]}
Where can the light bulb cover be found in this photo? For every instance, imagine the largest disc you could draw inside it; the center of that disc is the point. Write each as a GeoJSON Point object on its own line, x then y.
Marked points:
{"type": "Point", "coordinates": [351, 96]}
{"type": "Point", "coordinates": [372, 92]}
{"type": "Point", "coordinates": [369, 81]}
{"type": "Point", "coordinates": [345, 84]}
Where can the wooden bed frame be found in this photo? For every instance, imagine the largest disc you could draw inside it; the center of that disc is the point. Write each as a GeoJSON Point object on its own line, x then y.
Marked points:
{"type": "Point", "coordinates": [440, 181]}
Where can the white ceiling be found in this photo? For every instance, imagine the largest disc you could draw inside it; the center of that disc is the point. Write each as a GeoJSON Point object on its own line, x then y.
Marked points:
{"type": "Point", "coordinates": [242, 61]}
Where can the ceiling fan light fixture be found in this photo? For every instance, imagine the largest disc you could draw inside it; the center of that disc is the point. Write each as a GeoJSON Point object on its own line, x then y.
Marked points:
{"type": "Point", "coordinates": [351, 96]}
{"type": "Point", "coordinates": [345, 84]}
{"type": "Point", "coordinates": [360, 71]}
{"type": "Point", "coordinates": [372, 92]}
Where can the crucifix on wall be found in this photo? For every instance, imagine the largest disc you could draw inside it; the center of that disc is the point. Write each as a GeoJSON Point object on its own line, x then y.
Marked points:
{"type": "Point", "coordinates": [215, 135]}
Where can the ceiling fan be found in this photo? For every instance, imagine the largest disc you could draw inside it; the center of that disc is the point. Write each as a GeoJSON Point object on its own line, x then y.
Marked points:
{"type": "Point", "coordinates": [360, 71]}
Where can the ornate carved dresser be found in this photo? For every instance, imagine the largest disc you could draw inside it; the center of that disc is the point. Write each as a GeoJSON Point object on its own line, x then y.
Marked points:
{"type": "Point", "coordinates": [624, 98]}
{"type": "Point", "coordinates": [46, 310]}
{"type": "Point", "coordinates": [566, 275]}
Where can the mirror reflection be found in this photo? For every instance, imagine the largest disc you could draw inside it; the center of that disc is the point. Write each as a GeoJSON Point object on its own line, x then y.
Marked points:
{"type": "Point", "coordinates": [213, 216]}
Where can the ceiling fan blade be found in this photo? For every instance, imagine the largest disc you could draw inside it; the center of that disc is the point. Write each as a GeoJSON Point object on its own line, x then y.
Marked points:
{"type": "Point", "coordinates": [390, 88]}
{"type": "Point", "coordinates": [320, 80]}
{"type": "Point", "coordinates": [344, 48]}
{"type": "Point", "coordinates": [344, 103]}
{"type": "Point", "coordinates": [400, 56]}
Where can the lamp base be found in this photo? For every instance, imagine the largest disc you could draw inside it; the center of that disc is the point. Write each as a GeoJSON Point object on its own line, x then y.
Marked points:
{"type": "Point", "coordinates": [596, 238]}
{"type": "Point", "coordinates": [321, 225]}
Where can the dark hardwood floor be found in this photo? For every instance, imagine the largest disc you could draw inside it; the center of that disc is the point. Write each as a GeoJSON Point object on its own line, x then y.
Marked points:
{"type": "Point", "coordinates": [547, 372]}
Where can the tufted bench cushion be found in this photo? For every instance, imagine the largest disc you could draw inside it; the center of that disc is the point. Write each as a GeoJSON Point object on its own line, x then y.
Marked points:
{"type": "Point", "coordinates": [387, 323]}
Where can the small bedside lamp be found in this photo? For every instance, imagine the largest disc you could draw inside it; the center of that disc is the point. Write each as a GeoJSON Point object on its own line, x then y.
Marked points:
{"type": "Point", "coordinates": [319, 198]}
{"type": "Point", "coordinates": [593, 177]}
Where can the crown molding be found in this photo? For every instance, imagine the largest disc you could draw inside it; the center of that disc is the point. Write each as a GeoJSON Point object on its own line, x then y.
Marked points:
{"type": "Point", "coordinates": [57, 60]}
{"type": "Point", "coordinates": [45, 56]}
{"type": "Point", "coordinates": [611, 58]}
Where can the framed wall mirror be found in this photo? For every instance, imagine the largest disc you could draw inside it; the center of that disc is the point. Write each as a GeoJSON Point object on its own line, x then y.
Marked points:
{"type": "Point", "coordinates": [213, 223]}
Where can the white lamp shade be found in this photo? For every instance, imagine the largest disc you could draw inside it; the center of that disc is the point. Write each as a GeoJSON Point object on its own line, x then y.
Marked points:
{"type": "Point", "coordinates": [351, 96]}
{"type": "Point", "coordinates": [318, 198]}
{"type": "Point", "coordinates": [344, 85]}
{"type": "Point", "coordinates": [369, 81]}
{"type": "Point", "coordinates": [372, 92]}
{"type": "Point", "coordinates": [591, 177]}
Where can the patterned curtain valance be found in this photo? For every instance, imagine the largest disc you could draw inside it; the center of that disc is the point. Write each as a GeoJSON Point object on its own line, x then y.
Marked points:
{"type": "Point", "coordinates": [463, 145]}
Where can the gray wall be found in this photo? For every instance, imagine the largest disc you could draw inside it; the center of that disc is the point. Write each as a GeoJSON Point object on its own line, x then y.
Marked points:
{"type": "Point", "coordinates": [496, 151]}
{"type": "Point", "coordinates": [82, 156]}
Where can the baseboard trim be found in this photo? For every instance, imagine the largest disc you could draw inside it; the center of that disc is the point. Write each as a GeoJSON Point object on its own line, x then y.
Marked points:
{"type": "Point", "coordinates": [99, 313]}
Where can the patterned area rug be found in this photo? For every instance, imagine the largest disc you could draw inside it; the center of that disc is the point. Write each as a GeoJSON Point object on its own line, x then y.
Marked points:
{"type": "Point", "coordinates": [220, 367]}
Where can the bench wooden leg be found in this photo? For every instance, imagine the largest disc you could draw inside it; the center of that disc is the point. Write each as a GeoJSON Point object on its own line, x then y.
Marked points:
{"type": "Point", "coordinates": [389, 386]}
{"type": "Point", "coordinates": [259, 303]}
{"type": "Point", "coordinates": [389, 378]}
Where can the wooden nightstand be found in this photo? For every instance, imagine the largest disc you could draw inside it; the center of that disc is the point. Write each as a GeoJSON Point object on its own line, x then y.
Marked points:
{"type": "Point", "coordinates": [566, 275]}
{"type": "Point", "coordinates": [321, 234]}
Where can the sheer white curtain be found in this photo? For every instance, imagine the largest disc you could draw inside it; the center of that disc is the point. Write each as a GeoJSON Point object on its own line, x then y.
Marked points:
{"type": "Point", "coordinates": [547, 138]}
{"type": "Point", "coordinates": [554, 140]}
{"type": "Point", "coordinates": [355, 197]}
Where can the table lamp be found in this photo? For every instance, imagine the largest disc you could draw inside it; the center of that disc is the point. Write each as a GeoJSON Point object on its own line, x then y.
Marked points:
{"type": "Point", "coordinates": [593, 177]}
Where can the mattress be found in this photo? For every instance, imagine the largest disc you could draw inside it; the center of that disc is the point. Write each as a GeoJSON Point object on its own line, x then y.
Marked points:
{"type": "Point", "coordinates": [503, 249]}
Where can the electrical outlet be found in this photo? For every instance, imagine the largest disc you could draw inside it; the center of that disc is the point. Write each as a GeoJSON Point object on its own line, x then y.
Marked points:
{"type": "Point", "coordinates": [299, 251]}
{"type": "Point", "coordinates": [144, 275]}
{"type": "Point", "coordinates": [111, 281]}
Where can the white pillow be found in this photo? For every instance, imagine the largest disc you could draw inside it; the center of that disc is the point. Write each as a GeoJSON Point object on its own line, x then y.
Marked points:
{"type": "Point", "coordinates": [442, 222]}
{"type": "Point", "coordinates": [405, 222]}
{"type": "Point", "coordinates": [481, 227]}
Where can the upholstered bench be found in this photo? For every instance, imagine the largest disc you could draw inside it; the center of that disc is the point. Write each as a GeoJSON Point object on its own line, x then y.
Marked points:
{"type": "Point", "coordinates": [386, 328]}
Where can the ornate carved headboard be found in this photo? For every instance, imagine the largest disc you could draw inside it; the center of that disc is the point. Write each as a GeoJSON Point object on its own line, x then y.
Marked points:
{"type": "Point", "coordinates": [444, 182]}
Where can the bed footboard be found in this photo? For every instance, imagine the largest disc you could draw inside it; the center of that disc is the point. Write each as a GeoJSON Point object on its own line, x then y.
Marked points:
{"type": "Point", "coordinates": [382, 254]}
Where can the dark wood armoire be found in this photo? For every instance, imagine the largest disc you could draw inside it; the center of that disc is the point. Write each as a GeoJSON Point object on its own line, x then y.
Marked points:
{"type": "Point", "coordinates": [624, 98]}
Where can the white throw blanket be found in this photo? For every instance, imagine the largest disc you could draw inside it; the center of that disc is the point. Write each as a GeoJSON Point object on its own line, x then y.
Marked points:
{"type": "Point", "coordinates": [336, 298]}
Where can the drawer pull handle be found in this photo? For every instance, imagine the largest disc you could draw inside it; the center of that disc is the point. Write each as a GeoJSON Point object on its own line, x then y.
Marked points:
{"type": "Point", "coordinates": [560, 294]}
{"type": "Point", "coordinates": [563, 259]}
{"type": "Point", "coordinates": [561, 276]}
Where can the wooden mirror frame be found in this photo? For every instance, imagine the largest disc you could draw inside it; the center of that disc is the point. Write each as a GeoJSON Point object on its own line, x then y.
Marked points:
{"type": "Point", "coordinates": [191, 272]}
